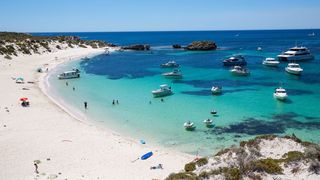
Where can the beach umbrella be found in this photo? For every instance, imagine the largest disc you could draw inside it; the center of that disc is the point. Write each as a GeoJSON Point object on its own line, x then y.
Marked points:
{"type": "Point", "coordinates": [23, 99]}
{"type": "Point", "coordinates": [19, 80]}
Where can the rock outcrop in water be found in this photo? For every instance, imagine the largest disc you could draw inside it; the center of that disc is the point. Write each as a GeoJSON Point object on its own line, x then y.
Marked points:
{"type": "Point", "coordinates": [201, 46]}
{"type": "Point", "coordinates": [176, 46]}
{"type": "Point", "coordinates": [137, 47]}
{"type": "Point", "coordinates": [265, 157]}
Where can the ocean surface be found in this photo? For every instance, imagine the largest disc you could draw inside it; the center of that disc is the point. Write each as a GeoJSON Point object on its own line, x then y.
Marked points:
{"type": "Point", "coordinates": [245, 109]}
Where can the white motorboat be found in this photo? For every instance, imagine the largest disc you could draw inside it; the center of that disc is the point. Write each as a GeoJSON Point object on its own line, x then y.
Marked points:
{"type": "Point", "coordinates": [236, 60]}
{"type": "Point", "coordinates": [208, 122]}
{"type": "Point", "coordinates": [176, 73]}
{"type": "Point", "coordinates": [216, 89]}
{"type": "Point", "coordinates": [164, 90]}
{"type": "Point", "coordinates": [75, 73]}
{"type": "Point", "coordinates": [170, 64]}
{"type": "Point", "coordinates": [280, 94]}
{"type": "Point", "coordinates": [189, 126]}
{"type": "Point", "coordinates": [213, 112]}
{"type": "Point", "coordinates": [296, 54]}
{"type": "Point", "coordinates": [259, 49]}
{"type": "Point", "coordinates": [271, 62]}
{"type": "Point", "coordinates": [240, 71]}
{"type": "Point", "coordinates": [294, 68]}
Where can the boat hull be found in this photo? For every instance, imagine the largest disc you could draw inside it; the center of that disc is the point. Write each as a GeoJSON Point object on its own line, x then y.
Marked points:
{"type": "Point", "coordinates": [295, 58]}
{"type": "Point", "coordinates": [161, 94]}
{"type": "Point", "coordinates": [275, 64]}
{"type": "Point", "coordinates": [241, 63]}
{"type": "Point", "coordinates": [68, 77]}
{"type": "Point", "coordinates": [280, 97]}
{"type": "Point", "coordinates": [298, 73]}
{"type": "Point", "coordinates": [236, 73]}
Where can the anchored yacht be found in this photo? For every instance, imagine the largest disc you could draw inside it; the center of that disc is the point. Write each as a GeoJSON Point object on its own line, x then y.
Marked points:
{"type": "Point", "coordinates": [296, 54]}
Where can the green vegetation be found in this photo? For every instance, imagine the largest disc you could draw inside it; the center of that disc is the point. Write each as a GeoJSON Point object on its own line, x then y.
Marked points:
{"type": "Point", "coordinates": [270, 166]}
{"type": "Point", "coordinates": [248, 162]}
{"type": "Point", "coordinates": [11, 43]}
{"type": "Point", "coordinates": [222, 151]}
{"type": "Point", "coordinates": [201, 162]}
{"type": "Point", "coordinates": [232, 173]}
{"type": "Point", "coordinates": [182, 176]}
{"type": "Point", "coordinates": [190, 167]}
{"type": "Point", "coordinates": [292, 156]}
{"type": "Point", "coordinates": [255, 142]}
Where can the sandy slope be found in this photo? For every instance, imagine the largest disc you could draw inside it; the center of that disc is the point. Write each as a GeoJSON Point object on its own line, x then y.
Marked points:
{"type": "Point", "coordinates": [68, 148]}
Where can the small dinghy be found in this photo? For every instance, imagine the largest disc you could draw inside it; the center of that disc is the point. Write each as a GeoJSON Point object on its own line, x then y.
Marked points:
{"type": "Point", "coordinates": [208, 122]}
{"type": "Point", "coordinates": [189, 126]}
{"type": "Point", "coordinates": [213, 112]}
{"type": "Point", "coordinates": [216, 90]}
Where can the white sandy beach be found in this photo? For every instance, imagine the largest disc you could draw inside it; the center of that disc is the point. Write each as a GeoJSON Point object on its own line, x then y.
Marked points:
{"type": "Point", "coordinates": [68, 148]}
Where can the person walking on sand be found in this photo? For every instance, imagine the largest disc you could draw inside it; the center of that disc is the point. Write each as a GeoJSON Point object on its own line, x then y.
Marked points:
{"type": "Point", "coordinates": [36, 166]}
{"type": "Point", "coordinates": [85, 105]}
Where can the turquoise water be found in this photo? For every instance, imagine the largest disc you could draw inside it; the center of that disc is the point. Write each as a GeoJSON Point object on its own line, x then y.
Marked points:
{"type": "Point", "coordinates": [245, 109]}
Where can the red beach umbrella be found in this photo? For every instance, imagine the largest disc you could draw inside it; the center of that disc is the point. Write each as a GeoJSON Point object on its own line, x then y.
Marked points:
{"type": "Point", "coordinates": [23, 99]}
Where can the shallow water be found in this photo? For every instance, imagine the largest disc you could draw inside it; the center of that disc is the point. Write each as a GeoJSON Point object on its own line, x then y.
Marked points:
{"type": "Point", "coordinates": [245, 109]}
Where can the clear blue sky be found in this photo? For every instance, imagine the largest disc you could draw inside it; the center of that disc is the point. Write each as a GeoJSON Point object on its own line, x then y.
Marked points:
{"type": "Point", "coordinates": [153, 15]}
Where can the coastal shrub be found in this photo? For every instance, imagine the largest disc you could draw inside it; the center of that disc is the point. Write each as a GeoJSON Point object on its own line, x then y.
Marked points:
{"type": "Point", "coordinates": [314, 168]}
{"type": "Point", "coordinates": [293, 137]}
{"type": "Point", "coordinates": [292, 156]}
{"type": "Point", "coordinates": [253, 176]}
{"type": "Point", "coordinates": [312, 152]}
{"type": "Point", "coordinates": [94, 45]}
{"type": "Point", "coordinates": [204, 175]}
{"type": "Point", "coordinates": [254, 143]}
{"type": "Point", "coordinates": [295, 170]}
{"type": "Point", "coordinates": [222, 151]}
{"type": "Point", "coordinates": [269, 165]}
{"type": "Point", "coordinates": [70, 45]}
{"type": "Point", "coordinates": [7, 57]}
{"type": "Point", "coordinates": [82, 46]}
{"type": "Point", "coordinates": [306, 143]}
{"type": "Point", "coordinates": [58, 46]}
{"type": "Point", "coordinates": [190, 167]}
{"type": "Point", "coordinates": [231, 173]}
{"type": "Point", "coordinates": [269, 137]}
{"type": "Point", "coordinates": [182, 176]}
{"type": "Point", "coordinates": [9, 49]}
{"type": "Point", "coordinates": [202, 161]}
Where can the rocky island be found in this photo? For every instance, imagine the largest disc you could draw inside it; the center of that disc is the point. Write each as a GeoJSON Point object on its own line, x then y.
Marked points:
{"type": "Point", "coordinates": [137, 47]}
{"type": "Point", "coordinates": [201, 46]}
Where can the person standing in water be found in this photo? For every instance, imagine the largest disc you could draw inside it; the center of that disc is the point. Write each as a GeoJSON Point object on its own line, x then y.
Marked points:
{"type": "Point", "coordinates": [67, 83]}
{"type": "Point", "coordinates": [85, 105]}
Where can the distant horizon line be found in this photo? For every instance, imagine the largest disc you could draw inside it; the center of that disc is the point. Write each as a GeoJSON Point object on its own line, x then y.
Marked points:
{"type": "Point", "coordinates": [162, 30]}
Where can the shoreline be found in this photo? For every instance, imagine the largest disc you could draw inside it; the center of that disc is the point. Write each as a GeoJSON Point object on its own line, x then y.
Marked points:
{"type": "Point", "coordinates": [92, 151]}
